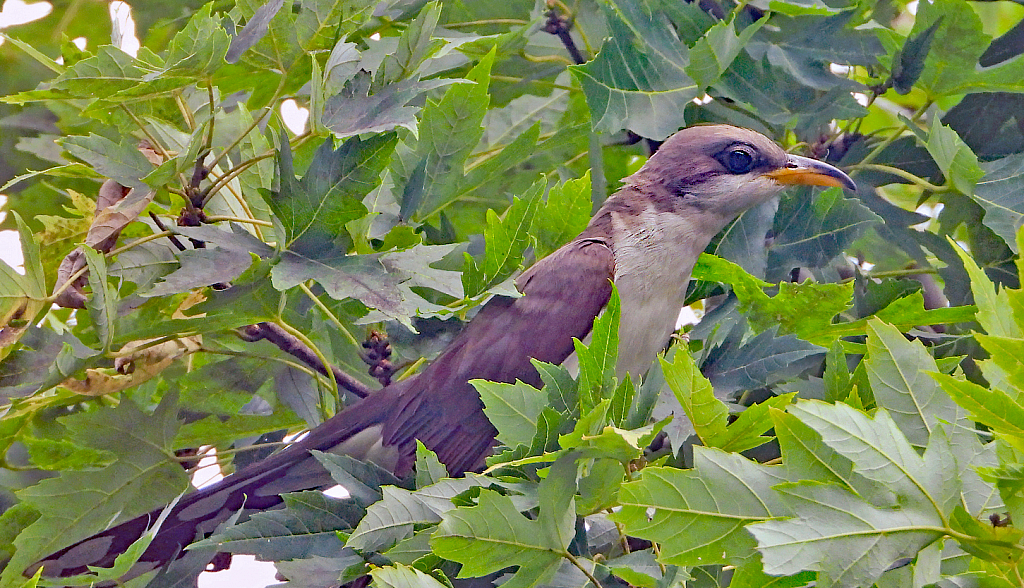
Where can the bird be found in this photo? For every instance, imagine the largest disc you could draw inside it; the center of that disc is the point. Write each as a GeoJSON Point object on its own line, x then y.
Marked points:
{"type": "Point", "coordinates": [644, 239]}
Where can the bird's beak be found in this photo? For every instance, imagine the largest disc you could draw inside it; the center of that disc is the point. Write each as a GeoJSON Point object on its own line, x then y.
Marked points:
{"type": "Point", "coordinates": [811, 172]}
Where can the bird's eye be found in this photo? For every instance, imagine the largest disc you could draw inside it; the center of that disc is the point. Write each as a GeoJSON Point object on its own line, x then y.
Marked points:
{"type": "Point", "coordinates": [738, 161]}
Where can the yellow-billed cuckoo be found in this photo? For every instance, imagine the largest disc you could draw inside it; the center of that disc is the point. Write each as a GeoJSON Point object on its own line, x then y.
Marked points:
{"type": "Point", "coordinates": [645, 238]}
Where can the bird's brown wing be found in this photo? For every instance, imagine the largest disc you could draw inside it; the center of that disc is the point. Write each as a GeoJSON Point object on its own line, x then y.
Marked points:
{"type": "Point", "coordinates": [562, 295]}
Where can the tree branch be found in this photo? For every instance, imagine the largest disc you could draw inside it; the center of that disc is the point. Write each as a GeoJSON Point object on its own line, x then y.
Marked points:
{"type": "Point", "coordinates": [291, 345]}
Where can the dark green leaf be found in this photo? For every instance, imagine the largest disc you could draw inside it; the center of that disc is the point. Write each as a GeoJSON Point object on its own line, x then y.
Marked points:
{"type": "Point", "coordinates": [909, 62]}
{"type": "Point", "coordinates": [363, 480]}
{"type": "Point", "coordinates": [144, 475]}
{"type": "Point", "coordinates": [507, 240]}
{"type": "Point", "coordinates": [254, 30]}
{"type": "Point", "coordinates": [647, 96]}
{"type": "Point", "coordinates": [765, 359]}
{"type": "Point", "coordinates": [316, 208]}
{"type": "Point", "coordinates": [355, 111]}
{"type": "Point", "coordinates": [448, 131]}
{"type": "Point", "coordinates": [810, 232]}
{"type": "Point", "coordinates": [1001, 192]}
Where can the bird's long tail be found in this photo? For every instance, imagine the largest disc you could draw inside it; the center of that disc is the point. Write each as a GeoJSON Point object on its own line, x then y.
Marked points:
{"type": "Point", "coordinates": [256, 487]}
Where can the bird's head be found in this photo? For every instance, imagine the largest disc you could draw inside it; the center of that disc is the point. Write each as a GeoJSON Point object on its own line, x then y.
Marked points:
{"type": "Point", "coordinates": [725, 170]}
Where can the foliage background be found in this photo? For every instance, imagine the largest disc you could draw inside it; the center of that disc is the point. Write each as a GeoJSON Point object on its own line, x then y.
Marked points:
{"type": "Point", "coordinates": [869, 355]}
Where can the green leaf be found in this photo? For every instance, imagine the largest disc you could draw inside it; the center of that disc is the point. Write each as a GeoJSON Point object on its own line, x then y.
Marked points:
{"type": "Point", "coordinates": [392, 519]}
{"type": "Point", "coordinates": [493, 535]}
{"type": "Point", "coordinates": [1005, 353]}
{"type": "Point", "coordinates": [401, 576]}
{"type": "Point", "coordinates": [774, 95]}
{"type": "Point", "coordinates": [513, 409]}
{"type": "Point", "coordinates": [415, 266]}
{"type": "Point", "coordinates": [316, 208]}
{"type": "Point", "coordinates": [144, 475]}
{"type": "Point", "coordinates": [849, 541]}
{"type": "Point", "coordinates": [198, 268]}
{"type": "Point", "coordinates": [51, 454]}
{"type": "Point", "coordinates": [833, 38]}
{"type": "Point", "coordinates": [639, 568]}
{"type": "Point", "coordinates": [22, 296]}
{"type": "Point", "coordinates": [559, 386]}
{"type": "Point", "coordinates": [495, 175]}
{"type": "Point", "coordinates": [647, 96]}
{"type": "Point", "coordinates": [806, 456]}
{"type": "Point", "coordinates": [715, 51]}
{"type": "Point", "coordinates": [449, 130]}
{"type": "Point", "coordinates": [956, 160]}
{"type": "Point", "coordinates": [708, 414]}
{"type": "Point", "coordinates": [416, 45]}
{"type": "Point", "coordinates": [987, 541]}
{"type": "Point", "coordinates": [993, 408]}
{"type": "Point", "coordinates": [118, 161]}
{"type": "Point", "coordinates": [320, 571]}
{"type": "Point", "coordinates": [107, 72]}
{"type": "Point", "coordinates": [611, 442]}
{"type": "Point", "coordinates": [749, 428]}
{"type": "Point", "coordinates": [958, 43]}
{"type": "Point", "coordinates": [991, 301]}
{"type": "Point", "coordinates": [597, 360]}
{"type": "Point", "coordinates": [691, 522]}
{"type": "Point", "coordinates": [837, 373]}
{"type": "Point", "coordinates": [199, 48]}
{"type": "Point", "coordinates": [879, 452]}
{"type": "Point", "coordinates": [507, 240]}
{"type": "Point", "coordinates": [563, 216]}
{"type": "Point", "coordinates": [308, 524]}
{"type": "Point", "coordinates": [429, 470]}
{"type": "Point", "coordinates": [899, 374]}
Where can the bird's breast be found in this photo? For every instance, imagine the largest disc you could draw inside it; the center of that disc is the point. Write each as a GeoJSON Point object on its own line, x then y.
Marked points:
{"type": "Point", "coordinates": [654, 255]}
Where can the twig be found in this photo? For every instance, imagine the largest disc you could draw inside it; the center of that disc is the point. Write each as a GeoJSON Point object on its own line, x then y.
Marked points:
{"type": "Point", "coordinates": [293, 346]}
{"type": "Point", "coordinates": [559, 26]}
{"type": "Point", "coordinates": [160, 225]}
{"type": "Point", "coordinates": [572, 559]}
